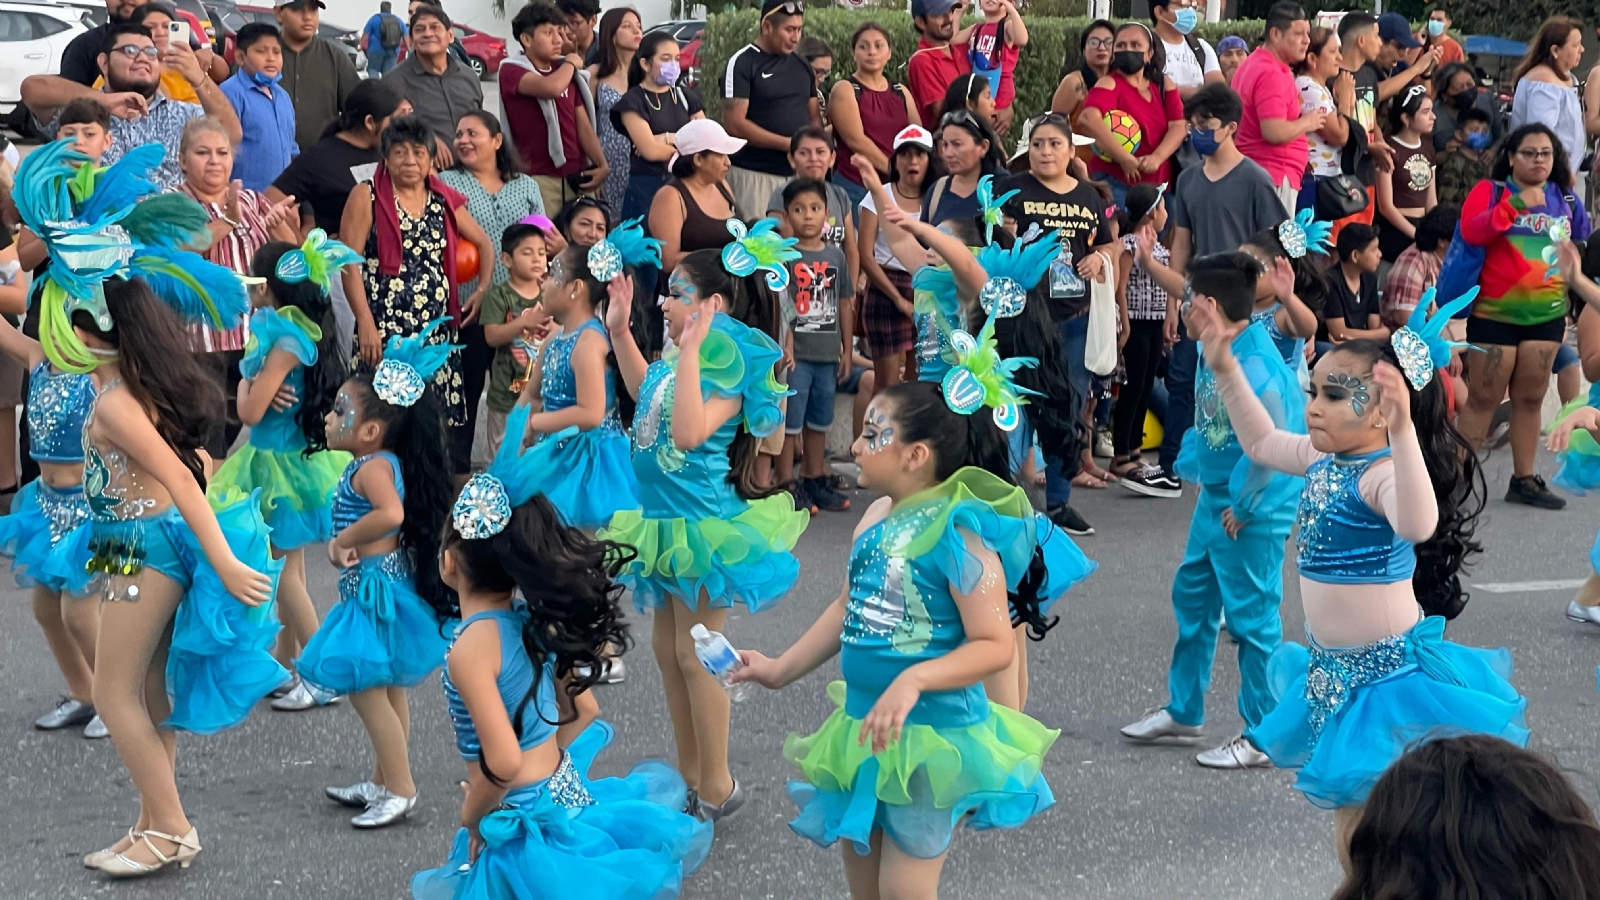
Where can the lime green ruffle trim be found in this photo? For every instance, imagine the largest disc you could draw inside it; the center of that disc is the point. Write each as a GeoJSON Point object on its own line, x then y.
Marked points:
{"type": "Point", "coordinates": [681, 548]}
{"type": "Point", "coordinates": [285, 478]}
{"type": "Point", "coordinates": [926, 513]}
{"type": "Point", "coordinates": [1008, 748]}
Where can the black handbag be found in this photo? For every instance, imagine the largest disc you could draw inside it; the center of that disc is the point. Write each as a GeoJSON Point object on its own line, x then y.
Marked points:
{"type": "Point", "coordinates": [1342, 195]}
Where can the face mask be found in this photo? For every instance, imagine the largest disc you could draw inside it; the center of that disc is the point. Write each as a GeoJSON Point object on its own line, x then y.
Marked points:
{"type": "Point", "coordinates": [1435, 27]}
{"type": "Point", "coordinates": [1128, 62]}
{"type": "Point", "coordinates": [1205, 142]}
{"type": "Point", "coordinates": [1464, 100]}
{"type": "Point", "coordinates": [263, 80]}
{"type": "Point", "coordinates": [1478, 140]}
{"type": "Point", "coordinates": [1186, 20]}
{"type": "Point", "coordinates": [668, 75]}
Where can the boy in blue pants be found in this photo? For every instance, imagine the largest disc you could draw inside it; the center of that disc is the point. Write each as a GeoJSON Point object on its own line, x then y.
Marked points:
{"type": "Point", "coordinates": [1234, 559]}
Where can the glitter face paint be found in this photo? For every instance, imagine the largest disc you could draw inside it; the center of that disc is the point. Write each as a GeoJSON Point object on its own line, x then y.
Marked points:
{"type": "Point", "coordinates": [344, 419]}
{"type": "Point", "coordinates": [1351, 387]}
{"type": "Point", "coordinates": [877, 431]}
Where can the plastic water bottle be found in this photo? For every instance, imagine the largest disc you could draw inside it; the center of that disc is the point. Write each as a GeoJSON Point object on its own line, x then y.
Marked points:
{"type": "Point", "coordinates": [719, 658]}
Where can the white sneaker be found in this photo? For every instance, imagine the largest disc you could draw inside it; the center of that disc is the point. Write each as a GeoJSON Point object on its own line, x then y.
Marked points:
{"type": "Point", "coordinates": [1238, 753]}
{"type": "Point", "coordinates": [1577, 612]}
{"type": "Point", "coordinates": [96, 729]}
{"type": "Point", "coordinates": [1157, 724]}
{"type": "Point", "coordinates": [385, 808]}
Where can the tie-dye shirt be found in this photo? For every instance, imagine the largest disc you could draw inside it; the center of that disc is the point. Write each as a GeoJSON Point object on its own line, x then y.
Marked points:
{"type": "Point", "coordinates": [1521, 282]}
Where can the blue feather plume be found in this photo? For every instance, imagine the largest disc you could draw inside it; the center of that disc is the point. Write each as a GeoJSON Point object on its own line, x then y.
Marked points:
{"type": "Point", "coordinates": [416, 352]}
{"type": "Point", "coordinates": [635, 248]}
{"type": "Point", "coordinates": [121, 185]}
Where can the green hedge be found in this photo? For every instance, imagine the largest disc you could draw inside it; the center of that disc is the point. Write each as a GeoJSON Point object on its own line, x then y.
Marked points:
{"type": "Point", "coordinates": [1052, 48]}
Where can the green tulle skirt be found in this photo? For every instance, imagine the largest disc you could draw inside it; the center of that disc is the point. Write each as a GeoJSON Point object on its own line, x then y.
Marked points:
{"type": "Point", "coordinates": [296, 490]}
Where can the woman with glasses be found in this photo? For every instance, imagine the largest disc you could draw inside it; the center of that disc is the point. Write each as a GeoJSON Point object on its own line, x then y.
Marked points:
{"type": "Point", "coordinates": [1547, 91]}
{"type": "Point", "coordinates": [1135, 115]}
{"type": "Point", "coordinates": [868, 110]}
{"type": "Point", "coordinates": [1094, 55]}
{"type": "Point", "coordinates": [1520, 216]}
{"type": "Point", "coordinates": [969, 150]}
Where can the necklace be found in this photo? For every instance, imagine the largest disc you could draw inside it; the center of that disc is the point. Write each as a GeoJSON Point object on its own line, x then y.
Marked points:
{"type": "Point", "coordinates": [903, 195]}
{"type": "Point", "coordinates": [654, 99]}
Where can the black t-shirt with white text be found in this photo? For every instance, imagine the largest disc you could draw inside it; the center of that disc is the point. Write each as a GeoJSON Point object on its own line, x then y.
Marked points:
{"type": "Point", "coordinates": [779, 89]}
{"type": "Point", "coordinates": [1079, 214]}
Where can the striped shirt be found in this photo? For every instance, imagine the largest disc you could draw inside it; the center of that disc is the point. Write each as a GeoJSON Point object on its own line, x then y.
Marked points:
{"type": "Point", "coordinates": [234, 251]}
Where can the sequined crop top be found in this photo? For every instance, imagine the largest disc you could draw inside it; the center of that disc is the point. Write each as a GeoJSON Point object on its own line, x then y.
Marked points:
{"type": "Point", "coordinates": [516, 677]}
{"type": "Point", "coordinates": [1342, 539]}
{"type": "Point", "coordinates": [559, 387]}
{"type": "Point", "coordinates": [348, 505]}
{"type": "Point", "coordinates": [58, 404]}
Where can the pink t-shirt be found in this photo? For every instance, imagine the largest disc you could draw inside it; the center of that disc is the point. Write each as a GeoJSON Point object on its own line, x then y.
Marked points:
{"type": "Point", "coordinates": [1154, 114]}
{"type": "Point", "coordinates": [1266, 87]}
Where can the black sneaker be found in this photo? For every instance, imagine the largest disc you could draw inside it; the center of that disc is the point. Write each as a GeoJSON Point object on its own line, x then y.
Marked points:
{"type": "Point", "coordinates": [802, 497]}
{"type": "Point", "coordinates": [1069, 521]}
{"type": "Point", "coordinates": [823, 496]}
{"type": "Point", "coordinates": [1151, 481]}
{"type": "Point", "coordinates": [1531, 490]}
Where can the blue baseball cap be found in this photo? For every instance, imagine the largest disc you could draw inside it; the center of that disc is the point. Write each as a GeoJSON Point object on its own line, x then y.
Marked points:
{"type": "Point", "coordinates": [930, 7]}
{"type": "Point", "coordinates": [1395, 27]}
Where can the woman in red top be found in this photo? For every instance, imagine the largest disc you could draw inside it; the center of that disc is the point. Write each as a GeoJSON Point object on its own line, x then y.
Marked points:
{"type": "Point", "coordinates": [1137, 86]}
{"type": "Point", "coordinates": [867, 110]}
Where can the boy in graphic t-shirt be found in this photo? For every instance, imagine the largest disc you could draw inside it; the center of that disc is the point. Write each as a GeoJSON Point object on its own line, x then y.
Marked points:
{"type": "Point", "coordinates": [993, 46]}
{"type": "Point", "coordinates": [822, 295]}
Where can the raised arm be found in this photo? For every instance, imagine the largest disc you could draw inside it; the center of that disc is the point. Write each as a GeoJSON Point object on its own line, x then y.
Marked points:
{"type": "Point", "coordinates": [631, 364]}
{"type": "Point", "coordinates": [1259, 435]}
{"type": "Point", "coordinates": [695, 419]}
{"type": "Point", "coordinates": [1403, 492]}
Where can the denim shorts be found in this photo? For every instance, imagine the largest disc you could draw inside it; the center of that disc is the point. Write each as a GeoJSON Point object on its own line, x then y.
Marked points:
{"type": "Point", "coordinates": [811, 406]}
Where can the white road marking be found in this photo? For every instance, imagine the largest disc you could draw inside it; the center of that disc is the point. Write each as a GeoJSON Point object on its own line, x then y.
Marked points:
{"type": "Point", "coordinates": [1526, 587]}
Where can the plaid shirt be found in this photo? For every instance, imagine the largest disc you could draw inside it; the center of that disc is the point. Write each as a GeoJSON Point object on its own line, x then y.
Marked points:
{"type": "Point", "coordinates": [161, 124]}
{"type": "Point", "coordinates": [1409, 278]}
{"type": "Point", "coordinates": [1146, 300]}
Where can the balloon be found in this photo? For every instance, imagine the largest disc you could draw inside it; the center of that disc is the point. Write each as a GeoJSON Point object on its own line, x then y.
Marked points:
{"type": "Point", "coordinates": [466, 261]}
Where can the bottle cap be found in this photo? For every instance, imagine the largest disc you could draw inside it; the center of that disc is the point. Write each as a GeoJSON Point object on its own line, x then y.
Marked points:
{"type": "Point", "coordinates": [699, 632]}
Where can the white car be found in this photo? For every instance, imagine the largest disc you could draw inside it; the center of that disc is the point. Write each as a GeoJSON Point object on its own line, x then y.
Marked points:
{"type": "Point", "coordinates": [32, 38]}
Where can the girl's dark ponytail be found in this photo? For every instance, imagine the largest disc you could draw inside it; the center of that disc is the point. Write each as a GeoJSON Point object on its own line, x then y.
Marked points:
{"type": "Point", "coordinates": [568, 582]}
{"type": "Point", "coordinates": [1458, 486]}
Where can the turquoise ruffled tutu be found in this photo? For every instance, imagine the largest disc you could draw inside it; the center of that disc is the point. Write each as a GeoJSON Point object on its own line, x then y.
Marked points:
{"type": "Point", "coordinates": [380, 633]}
{"type": "Point", "coordinates": [46, 537]}
{"type": "Point", "coordinates": [596, 478]}
{"type": "Point", "coordinates": [1344, 716]}
{"type": "Point", "coordinates": [920, 787]}
{"type": "Point", "coordinates": [296, 491]}
{"type": "Point", "coordinates": [570, 838]}
{"type": "Point", "coordinates": [220, 663]}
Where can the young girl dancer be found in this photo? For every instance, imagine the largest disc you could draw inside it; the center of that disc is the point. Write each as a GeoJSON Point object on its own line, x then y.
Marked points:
{"type": "Point", "coordinates": [576, 381]}
{"type": "Point", "coordinates": [47, 534]}
{"type": "Point", "coordinates": [1386, 520]}
{"type": "Point", "coordinates": [918, 629]}
{"type": "Point", "coordinates": [1290, 292]}
{"type": "Point", "coordinates": [533, 825]}
{"type": "Point", "coordinates": [179, 652]}
{"type": "Point", "coordinates": [293, 345]}
{"type": "Point", "coordinates": [706, 535]}
{"type": "Point", "coordinates": [383, 635]}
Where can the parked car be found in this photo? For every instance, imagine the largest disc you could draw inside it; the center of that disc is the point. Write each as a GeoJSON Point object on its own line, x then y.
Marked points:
{"type": "Point", "coordinates": [95, 8]}
{"type": "Point", "coordinates": [346, 39]}
{"type": "Point", "coordinates": [197, 9]}
{"type": "Point", "coordinates": [32, 38]}
{"type": "Point", "coordinates": [682, 30]}
{"type": "Point", "coordinates": [689, 64]}
{"type": "Point", "coordinates": [485, 52]}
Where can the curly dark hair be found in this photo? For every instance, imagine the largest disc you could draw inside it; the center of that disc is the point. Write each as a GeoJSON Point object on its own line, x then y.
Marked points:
{"type": "Point", "coordinates": [175, 388]}
{"type": "Point", "coordinates": [416, 434]}
{"type": "Point", "coordinates": [1473, 817]}
{"type": "Point", "coordinates": [568, 581]}
{"type": "Point", "coordinates": [1458, 485]}
{"type": "Point", "coordinates": [322, 378]}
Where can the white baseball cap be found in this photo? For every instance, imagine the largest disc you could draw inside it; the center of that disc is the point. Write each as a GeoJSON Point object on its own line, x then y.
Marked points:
{"type": "Point", "coordinates": [914, 134]}
{"type": "Point", "coordinates": [700, 135]}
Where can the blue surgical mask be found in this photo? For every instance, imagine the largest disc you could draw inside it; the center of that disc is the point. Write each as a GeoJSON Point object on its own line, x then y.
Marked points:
{"type": "Point", "coordinates": [1186, 20]}
{"type": "Point", "coordinates": [1478, 140]}
{"type": "Point", "coordinates": [1204, 142]}
{"type": "Point", "coordinates": [1435, 27]}
{"type": "Point", "coordinates": [668, 76]}
{"type": "Point", "coordinates": [262, 80]}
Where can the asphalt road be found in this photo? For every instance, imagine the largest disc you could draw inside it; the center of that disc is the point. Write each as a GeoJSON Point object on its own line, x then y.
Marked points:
{"type": "Point", "coordinates": [1130, 822]}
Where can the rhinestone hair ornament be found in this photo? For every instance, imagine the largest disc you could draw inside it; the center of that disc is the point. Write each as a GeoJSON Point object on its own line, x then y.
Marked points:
{"type": "Point", "coordinates": [1304, 233]}
{"type": "Point", "coordinates": [990, 206]}
{"type": "Point", "coordinates": [315, 261]}
{"type": "Point", "coordinates": [759, 247]}
{"type": "Point", "coordinates": [1420, 345]}
{"type": "Point", "coordinates": [408, 364]}
{"type": "Point", "coordinates": [484, 508]}
{"type": "Point", "coordinates": [624, 248]}
{"type": "Point", "coordinates": [1014, 272]}
{"type": "Point", "coordinates": [100, 223]}
{"type": "Point", "coordinates": [981, 378]}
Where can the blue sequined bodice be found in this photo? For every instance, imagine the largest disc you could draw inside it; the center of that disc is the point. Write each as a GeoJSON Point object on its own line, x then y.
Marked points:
{"type": "Point", "coordinates": [558, 388]}
{"type": "Point", "coordinates": [516, 677]}
{"type": "Point", "coordinates": [1292, 348]}
{"type": "Point", "coordinates": [348, 505]}
{"type": "Point", "coordinates": [675, 483]}
{"type": "Point", "coordinates": [116, 493]}
{"type": "Point", "coordinates": [900, 612]}
{"type": "Point", "coordinates": [58, 405]}
{"type": "Point", "coordinates": [1342, 540]}
{"type": "Point", "coordinates": [934, 316]}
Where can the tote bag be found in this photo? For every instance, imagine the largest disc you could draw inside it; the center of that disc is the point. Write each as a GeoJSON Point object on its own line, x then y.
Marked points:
{"type": "Point", "coordinates": [1100, 347]}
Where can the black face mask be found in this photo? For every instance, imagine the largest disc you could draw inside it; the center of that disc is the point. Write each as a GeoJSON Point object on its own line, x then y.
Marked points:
{"type": "Point", "coordinates": [1465, 99]}
{"type": "Point", "coordinates": [1127, 62]}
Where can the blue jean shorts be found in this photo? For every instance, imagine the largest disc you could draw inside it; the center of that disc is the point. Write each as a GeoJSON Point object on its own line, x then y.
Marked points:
{"type": "Point", "coordinates": [811, 406]}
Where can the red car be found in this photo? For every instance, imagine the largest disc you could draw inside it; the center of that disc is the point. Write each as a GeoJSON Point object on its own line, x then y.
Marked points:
{"type": "Point", "coordinates": [485, 51]}
{"type": "Point", "coordinates": [689, 63]}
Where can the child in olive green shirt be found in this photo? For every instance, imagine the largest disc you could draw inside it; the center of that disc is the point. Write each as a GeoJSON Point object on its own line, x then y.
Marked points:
{"type": "Point", "coordinates": [515, 325]}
